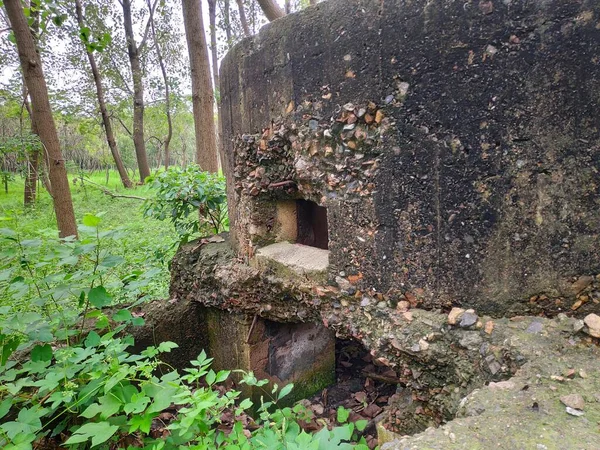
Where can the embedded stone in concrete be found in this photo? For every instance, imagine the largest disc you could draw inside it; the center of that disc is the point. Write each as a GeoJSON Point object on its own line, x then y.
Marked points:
{"type": "Point", "coordinates": [296, 259]}
{"type": "Point", "coordinates": [445, 167]}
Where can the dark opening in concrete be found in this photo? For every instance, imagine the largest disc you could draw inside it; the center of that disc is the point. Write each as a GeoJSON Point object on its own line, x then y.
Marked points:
{"type": "Point", "coordinates": [298, 349]}
{"type": "Point", "coordinates": [312, 224]}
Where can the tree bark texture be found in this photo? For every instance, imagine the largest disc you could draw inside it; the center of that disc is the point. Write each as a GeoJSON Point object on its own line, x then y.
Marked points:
{"type": "Point", "coordinates": [163, 70]}
{"type": "Point", "coordinates": [33, 159]}
{"type": "Point", "coordinates": [202, 93]}
{"type": "Point", "coordinates": [212, 11]}
{"type": "Point", "coordinates": [110, 137]}
{"type": "Point", "coordinates": [31, 66]}
{"type": "Point", "coordinates": [138, 94]}
{"type": "Point", "coordinates": [271, 9]}
{"type": "Point", "coordinates": [227, 21]}
{"type": "Point", "coordinates": [243, 18]}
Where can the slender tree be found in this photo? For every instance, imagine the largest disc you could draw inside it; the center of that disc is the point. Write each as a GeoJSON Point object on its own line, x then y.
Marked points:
{"type": "Point", "coordinates": [243, 18]}
{"type": "Point", "coordinates": [133, 51]}
{"type": "Point", "coordinates": [32, 162]}
{"type": "Point", "coordinates": [163, 70]}
{"type": "Point", "coordinates": [202, 92]}
{"type": "Point", "coordinates": [271, 9]}
{"type": "Point", "coordinates": [110, 137]}
{"type": "Point", "coordinates": [212, 12]}
{"type": "Point", "coordinates": [31, 65]}
{"type": "Point", "coordinates": [227, 22]}
{"type": "Point", "coordinates": [32, 157]}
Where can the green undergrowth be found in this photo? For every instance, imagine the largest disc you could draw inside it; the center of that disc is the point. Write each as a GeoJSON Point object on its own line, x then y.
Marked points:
{"type": "Point", "coordinates": [148, 244]}
{"type": "Point", "coordinates": [68, 376]}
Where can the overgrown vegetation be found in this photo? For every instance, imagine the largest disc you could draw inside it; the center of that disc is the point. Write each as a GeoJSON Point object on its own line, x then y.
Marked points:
{"type": "Point", "coordinates": [145, 245]}
{"type": "Point", "coordinates": [68, 378]}
{"type": "Point", "coordinates": [194, 201]}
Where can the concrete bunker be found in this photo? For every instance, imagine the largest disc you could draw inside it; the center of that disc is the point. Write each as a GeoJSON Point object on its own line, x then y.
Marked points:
{"type": "Point", "coordinates": [461, 194]}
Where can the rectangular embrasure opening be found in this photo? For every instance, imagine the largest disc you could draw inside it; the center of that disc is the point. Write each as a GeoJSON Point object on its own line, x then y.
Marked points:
{"type": "Point", "coordinates": [311, 220]}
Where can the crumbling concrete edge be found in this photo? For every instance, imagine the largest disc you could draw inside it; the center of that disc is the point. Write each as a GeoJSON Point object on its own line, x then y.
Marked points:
{"type": "Point", "coordinates": [440, 358]}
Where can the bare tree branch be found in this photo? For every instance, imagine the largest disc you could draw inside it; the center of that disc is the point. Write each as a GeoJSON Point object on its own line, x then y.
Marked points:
{"type": "Point", "coordinates": [147, 29]}
{"type": "Point", "coordinates": [116, 67]}
{"type": "Point", "coordinates": [123, 125]}
{"type": "Point", "coordinates": [106, 191]}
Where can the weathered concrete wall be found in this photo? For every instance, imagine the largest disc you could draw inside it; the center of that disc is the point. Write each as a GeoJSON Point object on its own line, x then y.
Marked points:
{"type": "Point", "coordinates": [438, 358]}
{"type": "Point", "coordinates": [483, 183]}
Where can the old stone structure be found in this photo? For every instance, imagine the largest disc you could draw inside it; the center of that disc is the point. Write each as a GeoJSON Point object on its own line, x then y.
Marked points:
{"type": "Point", "coordinates": [388, 161]}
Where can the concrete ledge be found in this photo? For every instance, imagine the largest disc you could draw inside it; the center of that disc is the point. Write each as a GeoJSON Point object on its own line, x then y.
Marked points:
{"type": "Point", "coordinates": [293, 260]}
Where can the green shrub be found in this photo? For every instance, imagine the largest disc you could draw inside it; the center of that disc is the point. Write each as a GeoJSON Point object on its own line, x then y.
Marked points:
{"type": "Point", "coordinates": [193, 200]}
{"type": "Point", "coordinates": [67, 372]}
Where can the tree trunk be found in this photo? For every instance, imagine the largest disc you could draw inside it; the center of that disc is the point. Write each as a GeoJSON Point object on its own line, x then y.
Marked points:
{"type": "Point", "coordinates": [33, 159]}
{"type": "Point", "coordinates": [227, 22]}
{"type": "Point", "coordinates": [31, 66]}
{"type": "Point", "coordinates": [138, 94]}
{"type": "Point", "coordinates": [271, 9]}
{"type": "Point", "coordinates": [31, 178]}
{"type": "Point", "coordinates": [110, 137]}
{"type": "Point", "coordinates": [161, 62]}
{"type": "Point", "coordinates": [212, 11]}
{"type": "Point", "coordinates": [202, 93]}
{"type": "Point", "coordinates": [243, 18]}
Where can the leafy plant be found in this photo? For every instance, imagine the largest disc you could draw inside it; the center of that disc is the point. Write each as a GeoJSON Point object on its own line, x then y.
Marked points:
{"type": "Point", "coordinates": [194, 201]}
{"type": "Point", "coordinates": [67, 374]}
{"type": "Point", "coordinates": [48, 275]}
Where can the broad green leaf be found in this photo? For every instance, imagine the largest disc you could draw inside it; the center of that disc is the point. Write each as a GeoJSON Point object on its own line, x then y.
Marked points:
{"type": "Point", "coordinates": [122, 315]}
{"type": "Point", "coordinates": [138, 321]}
{"type": "Point", "coordinates": [8, 232]}
{"type": "Point", "coordinates": [222, 376]}
{"type": "Point", "coordinates": [5, 407]}
{"type": "Point", "coordinates": [98, 432]}
{"type": "Point", "coordinates": [141, 422]}
{"type": "Point", "coordinates": [285, 391]}
{"type": "Point", "coordinates": [162, 399]}
{"type": "Point", "coordinates": [41, 353]}
{"type": "Point", "coordinates": [138, 403]}
{"type": "Point", "coordinates": [342, 414]}
{"type": "Point", "coordinates": [210, 377]}
{"type": "Point", "coordinates": [91, 411]}
{"type": "Point", "coordinates": [69, 261]}
{"type": "Point", "coordinates": [102, 322]}
{"type": "Point", "coordinates": [112, 261]}
{"type": "Point", "coordinates": [8, 344]}
{"type": "Point", "coordinates": [99, 297]}
{"type": "Point", "coordinates": [90, 220]}
{"type": "Point", "coordinates": [361, 424]}
{"type": "Point", "coordinates": [92, 339]}
{"type": "Point", "coordinates": [167, 346]}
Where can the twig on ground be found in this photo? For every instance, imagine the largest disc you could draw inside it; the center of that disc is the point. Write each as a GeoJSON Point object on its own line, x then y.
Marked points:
{"type": "Point", "coordinates": [106, 191]}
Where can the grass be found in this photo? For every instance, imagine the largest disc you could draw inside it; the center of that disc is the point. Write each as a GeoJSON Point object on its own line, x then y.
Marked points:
{"type": "Point", "coordinates": [147, 243]}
